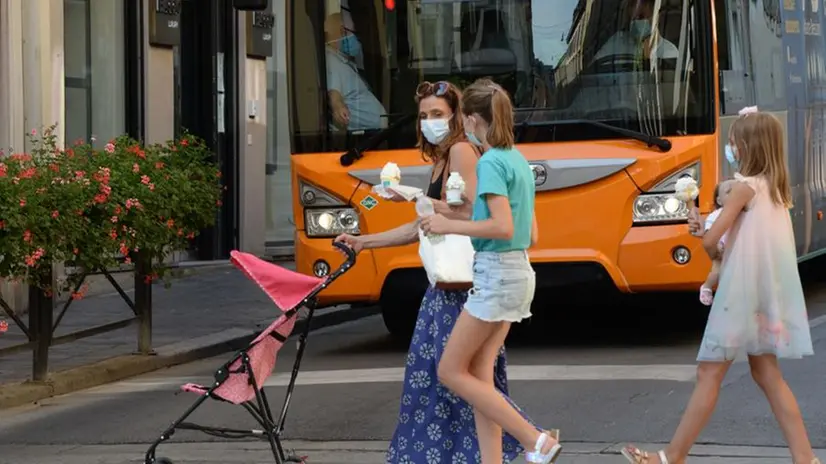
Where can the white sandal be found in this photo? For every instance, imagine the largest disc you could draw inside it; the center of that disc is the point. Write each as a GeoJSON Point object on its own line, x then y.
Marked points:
{"type": "Point", "coordinates": [537, 457]}
{"type": "Point", "coordinates": [635, 455]}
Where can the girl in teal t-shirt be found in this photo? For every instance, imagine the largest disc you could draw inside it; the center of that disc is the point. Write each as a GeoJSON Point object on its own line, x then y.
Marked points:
{"type": "Point", "coordinates": [502, 228]}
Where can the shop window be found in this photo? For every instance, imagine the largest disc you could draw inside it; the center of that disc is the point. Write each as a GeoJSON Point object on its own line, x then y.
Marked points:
{"type": "Point", "coordinates": [280, 227]}
{"type": "Point", "coordinates": [95, 68]}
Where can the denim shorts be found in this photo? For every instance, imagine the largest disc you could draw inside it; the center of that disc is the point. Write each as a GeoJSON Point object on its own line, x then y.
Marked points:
{"type": "Point", "coordinates": [503, 286]}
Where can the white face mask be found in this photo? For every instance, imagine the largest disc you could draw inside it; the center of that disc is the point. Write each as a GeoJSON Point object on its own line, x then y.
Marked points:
{"type": "Point", "coordinates": [435, 130]}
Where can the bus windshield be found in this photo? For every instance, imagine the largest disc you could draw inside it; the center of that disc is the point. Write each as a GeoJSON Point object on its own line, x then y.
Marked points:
{"type": "Point", "coordinates": [642, 65]}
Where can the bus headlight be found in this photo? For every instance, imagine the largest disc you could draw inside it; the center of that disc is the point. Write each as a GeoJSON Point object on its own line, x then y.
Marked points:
{"type": "Point", "coordinates": [329, 222]}
{"type": "Point", "coordinates": [659, 208]}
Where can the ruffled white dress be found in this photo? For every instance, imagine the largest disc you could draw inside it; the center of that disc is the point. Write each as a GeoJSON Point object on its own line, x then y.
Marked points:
{"type": "Point", "coordinates": [759, 307]}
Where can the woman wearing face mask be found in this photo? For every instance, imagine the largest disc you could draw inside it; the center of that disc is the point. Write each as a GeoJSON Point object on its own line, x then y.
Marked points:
{"type": "Point", "coordinates": [434, 425]}
{"type": "Point", "coordinates": [502, 228]}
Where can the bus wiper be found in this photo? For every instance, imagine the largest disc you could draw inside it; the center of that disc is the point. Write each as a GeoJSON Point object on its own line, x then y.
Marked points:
{"type": "Point", "coordinates": [357, 152]}
{"type": "Point", "coordinates": [651, 140]}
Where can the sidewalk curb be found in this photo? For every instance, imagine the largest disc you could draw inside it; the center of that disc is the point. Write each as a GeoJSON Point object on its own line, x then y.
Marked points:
{"type": "Point", "coordinates": [125, 366]}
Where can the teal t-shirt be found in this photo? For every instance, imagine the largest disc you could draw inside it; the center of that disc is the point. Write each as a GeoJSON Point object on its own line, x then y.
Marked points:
{"type": "Point", "coordinates": [508, 174]}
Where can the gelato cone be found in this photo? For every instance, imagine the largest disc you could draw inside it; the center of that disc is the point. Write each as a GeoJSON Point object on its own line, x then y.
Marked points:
{"type": "Point", "coordinates": [390, 175]}
{"type": "Point", "coordinates": [455, 188]}
{"type": "Point", "coordinates": [686, 189]}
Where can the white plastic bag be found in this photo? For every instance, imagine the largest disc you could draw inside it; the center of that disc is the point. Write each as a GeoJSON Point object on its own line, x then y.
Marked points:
{"type": "Point", "coordinates": [448, 259]}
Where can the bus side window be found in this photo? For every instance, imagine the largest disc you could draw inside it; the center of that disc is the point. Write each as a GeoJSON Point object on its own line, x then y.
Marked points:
{"type": "Point", "coordinates": [736, 76]}
{"type": "Point", "coordinates": [765, 30]}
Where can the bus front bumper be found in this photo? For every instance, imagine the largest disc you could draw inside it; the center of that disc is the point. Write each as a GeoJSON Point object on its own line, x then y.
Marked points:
{"type": "Point", "coordinates": [355, 286]}
{"type": "Point", "coordinates": [644, 262]}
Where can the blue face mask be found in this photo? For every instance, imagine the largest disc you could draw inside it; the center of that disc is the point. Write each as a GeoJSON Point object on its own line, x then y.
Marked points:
{"type": "Point", "coordinates": [732, 160]}
{"type": "Point", "coordinates": [640, 28]}
{"type": "Point", "coordinates": [472, 138]}
{"type": "Point", "coordinates": [350, 45]}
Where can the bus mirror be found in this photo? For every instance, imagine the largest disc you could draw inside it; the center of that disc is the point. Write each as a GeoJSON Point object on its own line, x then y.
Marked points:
{"type": "Point", "coordinates": [251, 5]}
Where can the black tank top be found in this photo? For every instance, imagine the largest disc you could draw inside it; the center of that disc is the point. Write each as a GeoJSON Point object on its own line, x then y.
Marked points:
{"type": "Point", "coordinates": [434, 190]}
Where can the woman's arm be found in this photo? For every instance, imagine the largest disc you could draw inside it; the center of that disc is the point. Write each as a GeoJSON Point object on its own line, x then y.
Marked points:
{"type": "Point", "coordinates": [402, 235]}
{"type": "Point", "coordinates": [498, 227]}
{"type": "Point", "coordinates": [737, 200]}
{"type": "Point", "coordinates": [534, 231]}
{"type": "Point", "coordinates": [462, 159]}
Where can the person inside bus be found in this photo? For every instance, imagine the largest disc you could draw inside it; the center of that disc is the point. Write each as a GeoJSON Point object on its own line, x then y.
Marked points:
{"type": "Point", "coordinates": [350, 25]}
{"type": "Point", "coordinates": [429, 413]}
{"type": "Point", "coordinates": [640, 33]}
{"type": "Point", "coordinates": [353, 106]}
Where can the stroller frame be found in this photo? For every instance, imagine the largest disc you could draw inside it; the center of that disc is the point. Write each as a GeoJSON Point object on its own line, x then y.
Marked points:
{"type": "Point", "coordinates": [258, 407]}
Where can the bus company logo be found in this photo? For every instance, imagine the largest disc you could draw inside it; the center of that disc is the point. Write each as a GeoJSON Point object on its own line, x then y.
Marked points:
{"type": "Point", "coordinates": [369, 202]}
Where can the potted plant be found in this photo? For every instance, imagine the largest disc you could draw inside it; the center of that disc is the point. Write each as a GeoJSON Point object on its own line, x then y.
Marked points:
{"type": "Point", "coordinates": [94, 209]}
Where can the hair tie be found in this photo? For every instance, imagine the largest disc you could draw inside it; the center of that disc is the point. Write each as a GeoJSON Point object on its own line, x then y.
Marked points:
{"type": "Point", "coordinates": [745, 112]}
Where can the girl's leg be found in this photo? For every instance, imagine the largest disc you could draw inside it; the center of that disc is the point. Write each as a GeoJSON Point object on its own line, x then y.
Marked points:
{"type": "Point", "coordinates": [710, 377]}
{"type": "Point", "coordinates": [714, 276]}
{"type": "Point", "coordinates": [489, 432]}
{"type": "Point", "coordinates": [766, 373]}
{"type": "Point", "coordinates": [469, 337]}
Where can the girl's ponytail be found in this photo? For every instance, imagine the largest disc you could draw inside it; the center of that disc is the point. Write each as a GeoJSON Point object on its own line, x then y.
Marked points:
{"type": "Point", "coordinates": [500, 134]}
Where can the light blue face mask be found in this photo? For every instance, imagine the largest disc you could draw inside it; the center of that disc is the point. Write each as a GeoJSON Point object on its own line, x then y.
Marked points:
{"type": "Point", "coordinates": [640, 28]}
{"type": "Point", "coordinates": [350, 45]}
{"type": "Point", "coordinates": [472, 138]}
{"type": "Point", "coordinates": [731, 158]}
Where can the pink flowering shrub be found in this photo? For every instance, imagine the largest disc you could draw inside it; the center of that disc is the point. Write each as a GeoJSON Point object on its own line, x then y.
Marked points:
{"type": "Point", "coordinates": [86, 207]}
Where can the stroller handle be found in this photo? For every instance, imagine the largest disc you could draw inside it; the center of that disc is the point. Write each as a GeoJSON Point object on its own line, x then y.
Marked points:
{"type": "Point", "coordinates": [349, 252]}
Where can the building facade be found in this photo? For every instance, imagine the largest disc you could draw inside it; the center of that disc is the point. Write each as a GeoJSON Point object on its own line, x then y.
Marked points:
{"type": "Point", "coordinates": [153, 69]}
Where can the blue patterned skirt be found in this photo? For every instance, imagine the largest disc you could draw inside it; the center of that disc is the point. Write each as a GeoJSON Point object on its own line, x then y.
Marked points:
{"type": "Point", "coordinates": [436, 426]}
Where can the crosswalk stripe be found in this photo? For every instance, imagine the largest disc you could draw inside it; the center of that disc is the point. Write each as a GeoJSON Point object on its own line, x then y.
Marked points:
{"type": "Point", "coordinates": [516, 373]}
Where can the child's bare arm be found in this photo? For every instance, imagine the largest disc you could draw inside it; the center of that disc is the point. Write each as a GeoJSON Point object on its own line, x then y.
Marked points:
{"type": "Point", "coordinates": [695, 223]}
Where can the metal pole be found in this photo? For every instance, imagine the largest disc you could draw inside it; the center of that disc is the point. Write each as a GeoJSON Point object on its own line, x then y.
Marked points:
{"type": "Point", "coordinates": [41, 314]}
{"type": "Point", "coordinates": [143, 304]}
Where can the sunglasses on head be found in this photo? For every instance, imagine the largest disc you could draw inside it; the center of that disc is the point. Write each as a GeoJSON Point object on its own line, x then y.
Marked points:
{"type": "Point", "coordinates": [425, 89]}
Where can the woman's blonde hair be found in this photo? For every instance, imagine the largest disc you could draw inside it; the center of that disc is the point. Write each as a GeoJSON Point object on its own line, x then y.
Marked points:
{"type": "Point", "coordinates": [492, 103]}
{"type": "Point", "coordinates": [453, 97]}
{"type": "Point", "coordinates": [762, 152]}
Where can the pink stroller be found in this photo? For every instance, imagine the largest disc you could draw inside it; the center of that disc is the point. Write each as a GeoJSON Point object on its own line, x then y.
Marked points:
{"type": "Point", "coordinates": [241, 380]}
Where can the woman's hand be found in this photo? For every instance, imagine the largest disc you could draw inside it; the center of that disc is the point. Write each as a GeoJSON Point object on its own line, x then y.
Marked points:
{"type": "Point", "coordinates": [355, 243]}
{"type": "Point", "coordinates": [463, 211]}
{"type": "Point", "coordinates": [436, 224]}
{"type": "Point", "coordinates": [695, 223]}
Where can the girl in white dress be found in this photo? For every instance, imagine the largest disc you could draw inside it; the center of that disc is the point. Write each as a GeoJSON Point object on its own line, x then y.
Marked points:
{"type": "Point", "coordinates": [759, 310]}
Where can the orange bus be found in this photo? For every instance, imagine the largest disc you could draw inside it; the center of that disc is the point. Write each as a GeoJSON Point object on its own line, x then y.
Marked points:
{"type": "Point", "coordinates": [616, 100]}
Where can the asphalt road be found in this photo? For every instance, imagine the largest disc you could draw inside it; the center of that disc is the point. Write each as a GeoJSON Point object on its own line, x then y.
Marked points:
{"type": "Point", "coordinates": [604, 376]}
